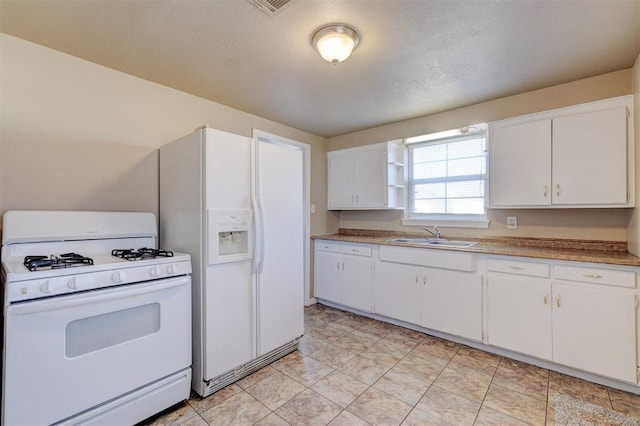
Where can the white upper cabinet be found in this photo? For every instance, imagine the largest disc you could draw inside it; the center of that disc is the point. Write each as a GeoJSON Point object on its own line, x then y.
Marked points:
{"type": "Point", "coordinates": [580, 156]}
{"type": "Point", "coordinates": [521, 164]}
{"type": "Point", "coordinates": [589, 160]}
{"type": "Point", "coordinates": [367, 178]}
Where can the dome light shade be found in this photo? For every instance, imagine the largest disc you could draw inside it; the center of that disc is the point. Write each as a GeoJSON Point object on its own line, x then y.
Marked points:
{"type": "Point", "coordinates": [335, 42]}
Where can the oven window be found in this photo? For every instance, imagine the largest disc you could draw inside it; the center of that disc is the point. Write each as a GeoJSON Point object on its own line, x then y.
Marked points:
{"type": "Point", "coordinates": [102, 331]}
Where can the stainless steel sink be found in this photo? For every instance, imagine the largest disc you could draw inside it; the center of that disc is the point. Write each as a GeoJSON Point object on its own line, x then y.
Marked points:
{"type": "Point", "coordinates": [439, 242]}
{"type": "Point", "coordinates": [411, 240]}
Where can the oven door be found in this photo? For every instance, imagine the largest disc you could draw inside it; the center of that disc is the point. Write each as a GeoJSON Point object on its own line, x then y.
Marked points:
{"type": "Point", "coordinates": [68, 354]}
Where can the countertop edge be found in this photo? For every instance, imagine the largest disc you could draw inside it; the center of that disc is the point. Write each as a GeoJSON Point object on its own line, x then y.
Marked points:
{"type": "Point", "coordinates": [576, 255]}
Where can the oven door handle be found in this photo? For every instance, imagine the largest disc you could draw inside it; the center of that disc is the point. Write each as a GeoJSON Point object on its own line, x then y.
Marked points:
{"type": "Point", "coordinates": [98, 296]}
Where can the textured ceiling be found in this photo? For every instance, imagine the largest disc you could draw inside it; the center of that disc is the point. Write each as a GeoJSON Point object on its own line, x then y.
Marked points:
{"type": "Point", "coordinates": [416, 57]}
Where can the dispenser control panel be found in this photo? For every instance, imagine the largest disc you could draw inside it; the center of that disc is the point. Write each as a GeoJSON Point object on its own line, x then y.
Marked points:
{"type": "Point", "coordinates": [229, 235]}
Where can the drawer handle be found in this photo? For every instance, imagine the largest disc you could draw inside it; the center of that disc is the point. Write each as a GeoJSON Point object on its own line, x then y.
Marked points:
{"type": "Point", "coordinates": [545, 297]}
{"type": "Point", "coordinates": [596, 276]}
{"type": "Point", "coordinates": [355, 250]}
{"type": "Point", "coordinates": [558, 301]}
{"type": "Point", "coordinates": [517, 268]}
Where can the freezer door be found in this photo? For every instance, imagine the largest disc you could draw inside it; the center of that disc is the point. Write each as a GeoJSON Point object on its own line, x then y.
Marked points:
{"type": "Point", "coordinates": [280, 267]}
{"type": "Point", "coordinates": [228, 174]}
{"type": "Point", "coordinates": [228, 318]}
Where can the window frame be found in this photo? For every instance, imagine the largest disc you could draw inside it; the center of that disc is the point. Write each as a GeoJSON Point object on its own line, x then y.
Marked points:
{"type": "Point", "coordinates": [411, 218]}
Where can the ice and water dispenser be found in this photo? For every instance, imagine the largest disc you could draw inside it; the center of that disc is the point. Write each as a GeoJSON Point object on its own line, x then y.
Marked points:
{"type": "Point", "coordinates": [229, 235]}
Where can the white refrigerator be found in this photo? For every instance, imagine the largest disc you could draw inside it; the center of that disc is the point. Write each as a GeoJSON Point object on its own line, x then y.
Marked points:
{"type": "Point", "coordinates": [236, 205]}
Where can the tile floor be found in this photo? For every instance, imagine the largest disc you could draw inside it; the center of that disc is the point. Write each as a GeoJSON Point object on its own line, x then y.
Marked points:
{"type": "Point", "coordinates": [352, 370]}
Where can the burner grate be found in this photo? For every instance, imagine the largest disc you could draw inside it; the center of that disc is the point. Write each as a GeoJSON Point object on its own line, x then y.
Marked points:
{"type": "Point", "coordinates": [65, 260]}
{"type": "Point", "coordinates": [141, 253]}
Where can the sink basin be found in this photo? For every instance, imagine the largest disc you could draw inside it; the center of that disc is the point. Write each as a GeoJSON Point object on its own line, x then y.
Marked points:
{"type": "Point", "coordinates": [440, 242]}
{"type": "Point", "coordinates": [412, 240]}
{"type": "Point", "coordinates": [446, 243]}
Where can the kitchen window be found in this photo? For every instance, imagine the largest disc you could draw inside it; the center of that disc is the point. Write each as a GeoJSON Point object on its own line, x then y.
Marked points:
{"type": "Point", "coordinates": [447, 178]}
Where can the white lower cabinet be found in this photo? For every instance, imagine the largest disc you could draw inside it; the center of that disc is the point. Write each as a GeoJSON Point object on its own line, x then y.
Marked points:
{"type": "Point", "coordinates": [581, 317]}
{"type": "Point", "coordinates": [397, 290]}
{"type": "Point", "coordinates": [519, 306]}
{"type": "Point", "coordinates": [327, 276]}
{"type": "Point", "coordinates": [343, 274]}
{"type": "Point", "coordinates": [594, 329]}
{"type": "Point", "coordinates": [452, 302]}
{"type": "Point", "coordinates": [447, 298]}
{"type": "Point", "coordinates": [519, 314]}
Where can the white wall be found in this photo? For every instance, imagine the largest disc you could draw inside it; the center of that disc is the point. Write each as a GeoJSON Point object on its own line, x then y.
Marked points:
{"type": "Point", "coordinates": [76, 135]}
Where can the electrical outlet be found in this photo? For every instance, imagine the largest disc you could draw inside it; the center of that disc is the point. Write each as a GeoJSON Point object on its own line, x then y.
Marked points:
{"type": "Point", "coordinates": [512, 222]}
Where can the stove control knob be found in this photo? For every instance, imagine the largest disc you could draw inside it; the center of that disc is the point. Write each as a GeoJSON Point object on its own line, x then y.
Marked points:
{"type": "Point", "coordinates": [172, 269]}
{"type": "Point", "coordinates": [155, 271]}
{"type": "Point", "coordinates": [46, 287]}
{"type": "Point", "coordinates": [119, 277]}
{"type": "Point", "coordinates": [72, 284]}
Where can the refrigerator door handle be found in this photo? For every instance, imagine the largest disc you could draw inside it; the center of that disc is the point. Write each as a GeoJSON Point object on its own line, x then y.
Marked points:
{"type": "Point", "coordinates": [258, 255]}
{"type": "Point", "coordinates": [260, 236]}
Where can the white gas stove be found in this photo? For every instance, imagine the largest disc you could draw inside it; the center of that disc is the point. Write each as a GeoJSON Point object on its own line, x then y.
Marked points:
{"type": "Point", "coordinates": [89, 304]}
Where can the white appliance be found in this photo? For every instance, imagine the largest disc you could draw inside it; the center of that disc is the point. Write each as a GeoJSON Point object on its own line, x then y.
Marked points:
{"type": "Point", "coordinates": [236, 205]}
{"type": "Point", "coordinates": [97, 322]}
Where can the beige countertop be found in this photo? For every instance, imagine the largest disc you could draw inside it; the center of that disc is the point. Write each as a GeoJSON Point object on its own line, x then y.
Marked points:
{"type": "Point", "coordinates": [608, 252]}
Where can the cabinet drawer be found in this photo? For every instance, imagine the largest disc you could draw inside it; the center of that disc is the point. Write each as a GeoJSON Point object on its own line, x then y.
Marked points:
{"type": "Point", "coordinates": [532, 269]}
{"type": "Point", "coordinates": [328, 246]}
{"type": "Point", "coordinates": [357, 250]}
{"type": "Point", "coordinates": [596, 275]}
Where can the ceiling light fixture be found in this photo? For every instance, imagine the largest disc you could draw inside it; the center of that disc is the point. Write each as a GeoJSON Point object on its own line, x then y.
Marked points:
{"type": "Point", "coordinates": [335, 42]}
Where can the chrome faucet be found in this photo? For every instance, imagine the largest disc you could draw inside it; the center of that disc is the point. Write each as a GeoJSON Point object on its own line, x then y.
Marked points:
{"type": "Point", "coordinates": [435, 231]}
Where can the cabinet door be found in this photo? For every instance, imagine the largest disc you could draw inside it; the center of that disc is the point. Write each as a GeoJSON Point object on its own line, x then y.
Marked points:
{"type": "Point", "coordinates": [342, 185]}
{"type": "Point", "coordinates": [590, 158]}
{"type": "Point", "coordinates": [594, 329]}
{"type": "Point", "coordinates": [397, 291]}
{"type": "Point", "coordinates": [327, 276]}
{"type": "Point", "coordinates": [519, 314]}
{"type": "Point", "coordinates": [371, 179]}
{"type": "Point", "coordinates": [452, 302]}
{"type": "Point", "coordinates": [520, 165]}
{"type": "Point", "coordinates": [356, 282]}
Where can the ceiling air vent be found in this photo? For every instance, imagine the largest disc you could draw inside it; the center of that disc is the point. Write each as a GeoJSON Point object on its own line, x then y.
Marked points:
{"type": "Point", "coordinates": [271, 7]}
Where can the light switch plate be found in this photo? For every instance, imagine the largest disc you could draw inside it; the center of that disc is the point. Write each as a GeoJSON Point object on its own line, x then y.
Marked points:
{"type": "Point", "coordinates": [512, 222]}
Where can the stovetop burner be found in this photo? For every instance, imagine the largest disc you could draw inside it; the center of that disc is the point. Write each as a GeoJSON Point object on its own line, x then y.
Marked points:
{"type": "Point", "coordinates": [141, 253]}
{"type": "Point", "coordinates": [65, 260]}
